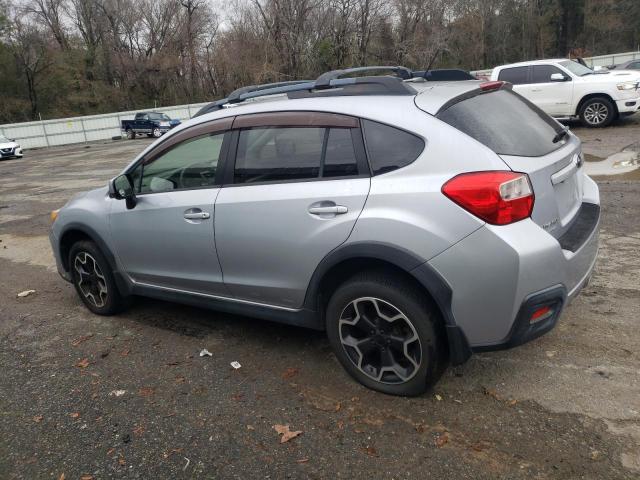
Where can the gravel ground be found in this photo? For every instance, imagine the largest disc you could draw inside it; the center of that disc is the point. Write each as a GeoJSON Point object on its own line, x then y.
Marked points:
{"type": "Point", "coordinates": [130, 397]}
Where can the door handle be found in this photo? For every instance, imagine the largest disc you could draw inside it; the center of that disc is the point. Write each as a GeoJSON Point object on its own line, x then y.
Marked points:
{"type": "Point", "coordinates": [334, 209]}
{"type": "Point", "coordinates": [197, 215]}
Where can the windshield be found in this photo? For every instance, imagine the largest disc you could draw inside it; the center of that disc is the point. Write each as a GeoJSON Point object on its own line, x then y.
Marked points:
{"type": "Point", "coordinates": [506, 123]}
{"type": "Point", "coordinates": [159, 116]}
{"type": "Point", "coordinates": [4, 139]}
{"type": "Point", "coordinates": [576, 68]}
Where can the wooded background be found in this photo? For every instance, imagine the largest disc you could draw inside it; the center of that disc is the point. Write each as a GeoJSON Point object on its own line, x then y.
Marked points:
{"type": "Point", "coordinates": [75, 57]}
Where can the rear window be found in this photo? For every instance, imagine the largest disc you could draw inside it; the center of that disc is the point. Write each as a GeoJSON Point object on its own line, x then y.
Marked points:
{"type": "Point", "coordinates": [515, 75]}
{"type": "Point", "coordinates": [389, 148]}
{"type": "Point", "coordinates": [505, 122]}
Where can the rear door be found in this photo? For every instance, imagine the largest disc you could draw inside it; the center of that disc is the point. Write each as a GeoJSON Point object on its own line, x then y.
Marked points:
{"type": "Point", "coordinates": [527, 140]}
{"type": "Point", "coordinates": [293, 194]}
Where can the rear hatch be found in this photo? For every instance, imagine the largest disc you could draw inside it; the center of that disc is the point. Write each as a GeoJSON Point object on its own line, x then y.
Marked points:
{"type": "Point", "coordinates": [528, 141]}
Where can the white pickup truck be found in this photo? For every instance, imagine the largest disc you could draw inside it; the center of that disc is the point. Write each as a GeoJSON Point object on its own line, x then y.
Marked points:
{"type": "Point", "coordinates": [564, 89]}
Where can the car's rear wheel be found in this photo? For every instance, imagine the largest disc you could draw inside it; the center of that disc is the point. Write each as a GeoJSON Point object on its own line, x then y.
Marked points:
{"type": "Point", "coordinates": [597, 112]}
{"type": "Point", "coordinates": [386, 334]}
{"type": "Point", "coordinates": [130, 134]}
{"type": "Point", "coordinates": [93, 279]}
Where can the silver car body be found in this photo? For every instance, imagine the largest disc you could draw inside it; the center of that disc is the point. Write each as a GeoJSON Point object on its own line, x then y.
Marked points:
{"type": "Point", "coordinates": [262, 250]}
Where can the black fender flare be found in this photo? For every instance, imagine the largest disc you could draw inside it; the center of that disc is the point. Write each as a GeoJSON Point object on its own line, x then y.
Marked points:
{"type": "Point", "coordinates": [123, 285]}
{"type": "Point", "coordinates": [410, 263]}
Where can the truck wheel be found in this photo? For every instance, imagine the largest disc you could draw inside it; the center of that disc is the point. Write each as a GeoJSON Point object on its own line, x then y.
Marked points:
{"type": "Point", "coordinates": [157, 133]}
{"type": "Point", "coordinates": [131, 135]}
{"type": "Point", "coordinates": [597, 112]}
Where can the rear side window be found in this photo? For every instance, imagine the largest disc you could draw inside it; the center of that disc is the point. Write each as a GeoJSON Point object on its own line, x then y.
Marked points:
{"type": "Point", "coordinates": [515, 75]}
{"type": "Point", "coordinates": [505, 122]}
{"type": "Point", "coordinates": [389, 148]}
{"type": "Point", "coordinates": [269, 154]}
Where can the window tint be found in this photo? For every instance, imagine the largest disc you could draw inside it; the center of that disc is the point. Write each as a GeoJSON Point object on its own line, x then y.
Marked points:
{"type": "Point", "coordinates": [515, 75]}
{"type": "Point", "coordinates": [271, 154]}
{"type": "Point", "coordinates": [389, 148]}
{"type": "Point", "coordinates": [542, 73]}
{"type": "Point", "coordinates": [505, 122]}
{"type": "Point", "coordinates": [340, 157]}
{"type": "Point", "coordinates": [634, 66]}
{"type": "Point", "coordinates": [190, 164]}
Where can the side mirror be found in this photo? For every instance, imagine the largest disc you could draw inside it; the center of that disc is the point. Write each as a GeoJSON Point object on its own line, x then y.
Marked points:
{"type": "Point", "coordinates": [121, 188]}
{"type": "Point", "coordinates": [558, 77]}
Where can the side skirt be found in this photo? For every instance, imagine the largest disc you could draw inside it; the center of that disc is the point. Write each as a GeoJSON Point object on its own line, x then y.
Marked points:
{"type": "Point", "coordinates": [301, 318]}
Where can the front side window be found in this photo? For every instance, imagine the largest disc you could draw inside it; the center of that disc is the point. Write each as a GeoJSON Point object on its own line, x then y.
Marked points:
{"type": "Point", "coordinates": [542, 73]}
{"type": "Point", "coordinates": [271, 154]}
{"type": "Point", "coordinates": [187, 165]}
{"type": "Point", "coordinates": [515, 75]}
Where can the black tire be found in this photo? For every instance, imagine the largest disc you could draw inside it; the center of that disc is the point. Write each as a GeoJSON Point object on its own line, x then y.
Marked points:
{"type": "Point", "coordinates": [131, 135]}
{"type": "Point", "coordinates": [419, 318]}
{"type": "Point", "coordinates": [99, 293]}
{"type": "Point", "coordinates": [597, 112]}
{"type": "Point", "coordinates": [157, 133]}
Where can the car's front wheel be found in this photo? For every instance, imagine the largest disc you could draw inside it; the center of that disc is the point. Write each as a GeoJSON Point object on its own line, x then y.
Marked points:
{"type": "Point", "coordinates": [157, 132]}
{"type": "Point", "coordinates": [386, 334]}
{"type": "Point", "coordinates": [597, 112]}
{"type": "Point", "coordinates": [93, 279]}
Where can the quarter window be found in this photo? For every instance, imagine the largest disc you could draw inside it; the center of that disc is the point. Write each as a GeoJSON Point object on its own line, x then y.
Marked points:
{"type": "Point", "coordinates": [515, 75]}
{"type": "Point", "coordinates": [269, 154]}
{"type": "Point", "coordinates": [389, 148]}
{"type": "Point", "coordinates": [190, 164]}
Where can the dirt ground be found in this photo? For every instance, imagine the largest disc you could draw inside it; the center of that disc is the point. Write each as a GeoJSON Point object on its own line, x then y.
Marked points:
{"type": "Point", "coordinates": [130, 397]}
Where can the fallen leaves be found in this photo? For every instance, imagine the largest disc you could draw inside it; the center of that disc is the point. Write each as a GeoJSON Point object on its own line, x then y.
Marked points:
{"type": "Point", "coordinates": [74, 415]}
{"type": "Point", "coordinates": [286, 433]}
{"type": "Point", "coordinates": [117, 393]}
{"type": "Point", "coordinates": [442, 439]}
{"type": "Point", "coordinates": [146, 391]}
{"type": "Point", "coordinates": [372, 452]}
{"type": "Point", "coordinates": [290, 373]}
{"type": "Point", "coordinates": [26, 293]}
{"type": "Point", "coordinates": [81, 339]}
{"type": "Point", "coordinates": [86, 477]}
{"type": "Point", "coordinates": [38, 418]}
{"type": "Point", "coordinates": [139, 430]}
{"type": "Point", "coordinates": [84, 363]}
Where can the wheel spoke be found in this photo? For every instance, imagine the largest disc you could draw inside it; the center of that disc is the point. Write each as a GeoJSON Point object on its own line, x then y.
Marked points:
{"type": "Point", "coordinates": [380, 340]}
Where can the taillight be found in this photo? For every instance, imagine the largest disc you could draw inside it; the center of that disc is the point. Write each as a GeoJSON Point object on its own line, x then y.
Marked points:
{"type": "Point", "coordinates": [498, 197]}
{"type": "Point", "coordinates": [493, 85]}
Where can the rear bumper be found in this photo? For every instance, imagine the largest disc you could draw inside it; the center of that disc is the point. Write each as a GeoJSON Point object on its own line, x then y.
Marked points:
{"type": "Point", "coordinates": [500, 275]}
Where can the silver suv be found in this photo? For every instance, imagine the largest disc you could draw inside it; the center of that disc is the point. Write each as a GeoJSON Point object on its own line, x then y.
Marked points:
{"type": "Point", "coordinates": [415, 221]}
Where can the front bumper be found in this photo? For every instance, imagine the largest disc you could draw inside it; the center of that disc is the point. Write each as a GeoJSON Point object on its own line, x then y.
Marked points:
{"type": "Point", "coordinates": [628, 105]}
{"type": "Point", "coordinates": [498, 275]}
{"type": "Point", "coordinates": [11, 153]}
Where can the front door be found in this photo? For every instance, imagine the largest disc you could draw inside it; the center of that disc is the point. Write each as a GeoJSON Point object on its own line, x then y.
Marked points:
{"type": "Point", "coordinates": [298, 185]}
{"type": "Point", "coordinates": [554, 97]}
{"type": "Point", "coordinates": [167, 239]}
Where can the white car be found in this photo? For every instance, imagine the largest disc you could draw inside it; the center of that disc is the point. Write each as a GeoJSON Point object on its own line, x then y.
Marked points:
{"type": "Point", "coordinates": [564, 89]}
{"type": "Point", "coordinates": [9, 149]}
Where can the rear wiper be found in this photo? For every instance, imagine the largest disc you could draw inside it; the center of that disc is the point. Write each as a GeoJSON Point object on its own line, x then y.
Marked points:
{"type": "Point", "coordinates": [561, 134]}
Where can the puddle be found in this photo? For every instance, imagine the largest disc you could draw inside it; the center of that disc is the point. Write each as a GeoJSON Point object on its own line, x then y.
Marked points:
{"type": "Point", "coordinates": [622, 165]}
{"type": "Point", "coordinates": [32, 250]}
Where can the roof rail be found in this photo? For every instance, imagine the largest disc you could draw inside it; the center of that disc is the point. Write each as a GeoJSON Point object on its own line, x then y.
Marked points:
{"type": "Point", "coordinates": [444, 74]}
{"type": "Point", "coordinates": [327, 84]}
{"type": "Point", "coordinates": [324, 80]}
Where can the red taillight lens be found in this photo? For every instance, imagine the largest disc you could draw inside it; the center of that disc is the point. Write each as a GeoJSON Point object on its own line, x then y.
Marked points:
{"type": "Point", "coordinates": [497, 197]}
{"type": "Point", "coordinates": [494, 85]}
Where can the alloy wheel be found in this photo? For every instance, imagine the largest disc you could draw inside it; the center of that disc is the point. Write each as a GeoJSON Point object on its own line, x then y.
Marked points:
{"type": "Point", "coordinates": [156, 132]}
{"type": "Point", "coordinates": [380, 340]}
{"type": "Point", "coordinates": [90, 279]}
{"type": "Point", "coordinates": [596, 113]}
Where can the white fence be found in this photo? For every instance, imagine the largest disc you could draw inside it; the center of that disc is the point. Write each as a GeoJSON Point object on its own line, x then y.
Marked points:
{"type": "Point", "coordinates": [64, 131]}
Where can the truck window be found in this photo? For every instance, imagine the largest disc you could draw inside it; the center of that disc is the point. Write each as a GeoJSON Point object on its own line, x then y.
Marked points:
{"type": "Point", "coordinates": [542, 73]}
{"type": "Point", "coordinates": [514, 75]}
